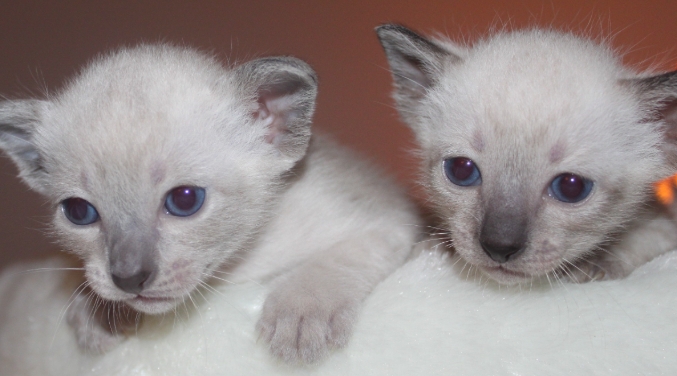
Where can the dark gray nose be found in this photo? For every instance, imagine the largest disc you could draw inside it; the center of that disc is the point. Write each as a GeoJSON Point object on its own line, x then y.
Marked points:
{"type": "Point", "coordinates": [505, 226]}
{"type": "Point", "coordinates": [133, 283]}
{"type": "Point", "coordinates": [501, 252]}
{"type": "Point", "coordinates": [132, 252]}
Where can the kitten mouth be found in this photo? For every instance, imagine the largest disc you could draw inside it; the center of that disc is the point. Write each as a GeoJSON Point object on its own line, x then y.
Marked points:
{"type": "Point", "coordinates": [151, 299]}
{"type": "Point", "coordinates": [504, 275]}
{"type": "Point", "coordinates": [152, 304]}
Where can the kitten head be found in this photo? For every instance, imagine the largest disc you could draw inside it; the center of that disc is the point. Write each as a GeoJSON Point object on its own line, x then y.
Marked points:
{"type": "Point", "coordinates": [161, 164]}
{"type": "Point", "coordinates": [537, 146]}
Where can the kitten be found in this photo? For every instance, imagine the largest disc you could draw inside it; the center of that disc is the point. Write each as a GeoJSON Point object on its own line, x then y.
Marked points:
{"type": "Point", "coordinates": [539, 151]}
{"type": "Point", "coordinates": [166, 170]}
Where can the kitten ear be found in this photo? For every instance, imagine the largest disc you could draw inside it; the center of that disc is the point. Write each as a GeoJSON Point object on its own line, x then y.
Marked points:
{"type": "Point", "coordinates": [283, 92]}
{"type": "Point", "coordinates": [416, 64]}
{"type": "Point", "coordinates": [18, 123]}
{"type": "Point", "coordinates": [659, 95]}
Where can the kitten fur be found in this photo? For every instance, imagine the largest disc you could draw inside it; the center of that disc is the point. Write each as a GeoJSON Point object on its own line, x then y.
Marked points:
{"type": "Point", "coordinates": [280, 206]}
{"type": "Point", "coordinates": [526, 107]}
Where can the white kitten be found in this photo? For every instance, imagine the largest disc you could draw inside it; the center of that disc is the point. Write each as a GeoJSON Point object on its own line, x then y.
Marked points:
{"type": "Point", "coordinates": [165, 169]}
{"type": "Point", "coordinates": [539, 150]}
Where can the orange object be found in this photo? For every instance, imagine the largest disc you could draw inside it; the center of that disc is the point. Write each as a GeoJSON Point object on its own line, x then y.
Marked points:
{"type": "Point", "coordinates": [665, 190]}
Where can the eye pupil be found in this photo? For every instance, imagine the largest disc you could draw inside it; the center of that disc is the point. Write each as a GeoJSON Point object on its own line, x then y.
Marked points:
{"type": "Point", "coordinates": [184, 197]}
{"type": "Point", "coordinates": [462, 168]}
{"type": "Point", "coordinates": [462, 171]}
{"type": "Point", "coordinates": [77, 208]}
{"type": "Point", "coordinates": [79, 211]}
{"type": "Point", "coordinates": [184, 201]}
{"type": "Point", "coordinates": [570, 188]}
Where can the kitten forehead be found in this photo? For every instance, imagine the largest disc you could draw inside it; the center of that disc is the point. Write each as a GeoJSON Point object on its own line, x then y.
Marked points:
{"type": "Point", "coordinates": [158, 171]}
{"type": "Point", "coordinates": [540, 56]}
{"type": "Point", "coordinates": [130, 115]}
{"type": "Point", "coordinates": [533, 71]}
{"type": "Point", "coordinates": [537, 92]}
{"type": "Point", "coordinates": [477, 141]}
{"type": "Point", "coordinates": [151, 89]}
{"type": "Point", "coordinates": [557, 151]}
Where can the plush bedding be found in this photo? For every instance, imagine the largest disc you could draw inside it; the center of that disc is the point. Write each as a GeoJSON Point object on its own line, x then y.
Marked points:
{"type": "Point", "coordinates": [431, 317]}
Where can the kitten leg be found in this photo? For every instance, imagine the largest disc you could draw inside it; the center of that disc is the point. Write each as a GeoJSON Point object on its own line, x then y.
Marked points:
{"type": "Point", "coordinates": [99, 325]}
{"type": "Point", "coordinates": [313, 308]}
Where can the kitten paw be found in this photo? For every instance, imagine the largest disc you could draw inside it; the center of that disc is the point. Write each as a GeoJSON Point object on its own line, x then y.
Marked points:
{"type": "Point", "coordinates": [100, 328]}
{"type": "Point", "coordinates": [301, 327]}
{"type": "Point", "coordinates": [91, 336]}
{"type": "Point", "coordinates": [595, 270]}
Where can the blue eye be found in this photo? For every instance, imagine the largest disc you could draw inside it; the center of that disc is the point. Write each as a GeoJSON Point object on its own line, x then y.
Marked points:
{"type": "Point", "coordinates": [184, 201]}
{"type": "Point", "coordinates": [570, 188]}
{"type": "Point", "coordinates": [79, 211]}
{"type": "Point", "coordinates": [462, 171]}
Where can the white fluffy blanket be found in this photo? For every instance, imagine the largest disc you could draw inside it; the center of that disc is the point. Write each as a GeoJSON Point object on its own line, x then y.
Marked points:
{"type": "Point", "coordinates": [428, 318]}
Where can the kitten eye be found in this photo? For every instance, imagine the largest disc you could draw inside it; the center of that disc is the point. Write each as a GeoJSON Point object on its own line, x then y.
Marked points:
{"type": "Point", "coordinates": [184, 201]}
{"type": "Point", "coordinates": [79, 211]}
{"type": "Point", "coordinates": [570, 188]}
{"type": "Point", "coordinates": [462, 171]}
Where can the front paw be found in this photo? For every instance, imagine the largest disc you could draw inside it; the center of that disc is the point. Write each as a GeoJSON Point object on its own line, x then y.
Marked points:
{"type": "Point", "coordinates": [98, 327]}
{"type": "Point", "coordinates": [595, 269]}
{"type": "Point", "coordinates": [301, 325]}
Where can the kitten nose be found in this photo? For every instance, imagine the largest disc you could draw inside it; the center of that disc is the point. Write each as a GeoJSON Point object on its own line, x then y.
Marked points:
{"type": "Point", "coordinates": [501, 252]}
{"type": "Point", "coordinates": [134, 283]}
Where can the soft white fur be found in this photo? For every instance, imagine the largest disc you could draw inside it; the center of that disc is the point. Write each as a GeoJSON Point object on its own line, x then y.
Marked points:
{"type": "Point", "coordinates": [428, 318]}
{"type": "Point", "coordinates": [528, 107]}
{"type": "Point", "coordinates": [279, 206]}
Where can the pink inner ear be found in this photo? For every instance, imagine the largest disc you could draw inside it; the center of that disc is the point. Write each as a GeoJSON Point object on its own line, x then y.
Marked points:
{"type": "Point", "coordinates": [273, 113]}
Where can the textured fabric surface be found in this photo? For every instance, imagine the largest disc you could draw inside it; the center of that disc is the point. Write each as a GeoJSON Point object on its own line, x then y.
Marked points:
{"type": "Point", "coordinates": [430, 317]}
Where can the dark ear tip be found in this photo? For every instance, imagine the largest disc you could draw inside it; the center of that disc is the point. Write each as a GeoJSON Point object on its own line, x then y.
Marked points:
{"type": "Point", "coordinates": [387, 27]}
{"type": "Point", "coordinates": [392, 28]}
{"type": "Point", "coordinates": [661, 80]}
{"type": "Point", "coordinates": [304, 70]}
{"type": "Point", "coordinates": [305, 67]}
{"type": "Point", "coordinates": [393, 35]}
{"type": "Point", "coordinates": [277, 75]}
{"type": "Point", "coordinates": [289, 61]}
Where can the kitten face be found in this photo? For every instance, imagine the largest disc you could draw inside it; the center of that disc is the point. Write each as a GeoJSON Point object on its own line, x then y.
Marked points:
{"type": "Point", "coordinates": [132, 195]}
{"type": "Point", "coordinates": [161, 164]}
{"type": "Point", "coordinates": [538, 147]}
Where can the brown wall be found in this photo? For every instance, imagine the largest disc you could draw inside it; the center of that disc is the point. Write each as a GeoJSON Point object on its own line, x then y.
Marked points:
{"type": "Point", "coordinates": [44, 42]}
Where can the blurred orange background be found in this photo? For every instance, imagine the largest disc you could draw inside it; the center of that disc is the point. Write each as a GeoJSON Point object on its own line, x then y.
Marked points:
{"type": "Point", "coordinates": [43, 43]}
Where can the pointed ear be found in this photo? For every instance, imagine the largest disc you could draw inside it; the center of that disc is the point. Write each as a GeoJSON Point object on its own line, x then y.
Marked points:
{"type": "Point", "coordinates": [282, 91]}
{"type": "Point", "coordinates": [18, 123]}
{"type": "Point", "coordinates": [659, 96]}
{"type": "Point", "coordinates": [416, 64]}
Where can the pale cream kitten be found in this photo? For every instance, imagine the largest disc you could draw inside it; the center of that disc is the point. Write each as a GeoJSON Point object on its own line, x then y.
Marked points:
{"type": "Point", "coordinates": [165, 168]}
{"type": "Point", "coordinates": [539, 150]}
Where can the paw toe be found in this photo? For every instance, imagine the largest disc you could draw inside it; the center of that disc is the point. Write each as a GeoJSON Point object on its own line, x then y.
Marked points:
{"type": "Point", "coordinates": [305, 338]}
